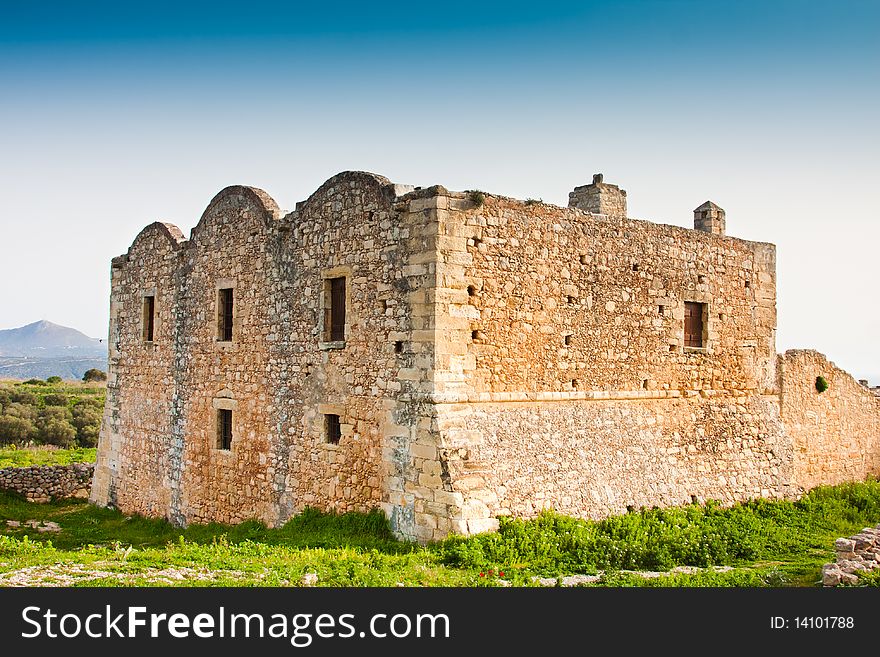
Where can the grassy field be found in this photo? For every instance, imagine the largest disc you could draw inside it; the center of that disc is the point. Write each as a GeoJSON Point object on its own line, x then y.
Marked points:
{"type": "Point", "coordinates": [763, 543]}
{"type": "Point", "coordinates": [12, 457]}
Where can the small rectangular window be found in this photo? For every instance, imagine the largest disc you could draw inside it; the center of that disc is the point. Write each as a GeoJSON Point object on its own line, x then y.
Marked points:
{"type": "Point", "coordinates": [224, 429]}
{"type": "Point", "coordinates": [693, 324]}
{"type": "Point", "coordinates": [224, 315]}
{"type": "Point", "coordinates": [149, 318]}
{"type": "Point", "coordinates": [334, 309]}
{"type": "Point", "coordinates": [332, 429]}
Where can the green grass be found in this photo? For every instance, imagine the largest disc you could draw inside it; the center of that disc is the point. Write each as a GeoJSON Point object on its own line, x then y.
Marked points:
{"type": "Point", "coordinates": [794, 538]}
{"type": "Point", "coordinates": [767, 543]}
{"type": "Point", "coordinates": [11, 457]}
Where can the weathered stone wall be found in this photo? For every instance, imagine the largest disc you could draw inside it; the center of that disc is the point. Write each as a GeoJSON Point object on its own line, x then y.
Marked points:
{"type": "Point", "coordinates": [43, 483]}
{"type": "Point", "coordinates": [836, 433]}
{"type": "Point", "coordinates": [556, 299]}
{"type": "Point", "coordinates": [499, 357]}
{"type": "Point", "coordinates": [159, 454]}
{"type": "Point", "coordinates": [595, 457]}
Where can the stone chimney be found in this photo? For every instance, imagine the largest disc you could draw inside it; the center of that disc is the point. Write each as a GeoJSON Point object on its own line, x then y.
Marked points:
{"type": "Point", "coordinates": [599, 198]}
{"type": "Point", "coordinates": [709, 218]}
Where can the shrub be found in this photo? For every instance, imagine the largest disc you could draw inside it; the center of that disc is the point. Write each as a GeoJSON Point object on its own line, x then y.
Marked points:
{"type": "Point", "coordinates": [54, 380]}
{"type": "Point", "coordinates": [94, 374]}
{"type": "Point", "coordinates": [477, 197]}
{"type": "Point", "coordinates": [55, 400]}
{"type": "Point", "coordinates": [35, 382]}
{"type": "Point", "coordinates": [54, 428]}
{"type": "Point", "coordinates": [821, 384]}
{"type": "Point", "coordinates": [15, 430]}
{"type": "Point", "coordinates": [24, 397]}
{"type": "Point", "coordinates": [25, 411]}
{"type": "Point", "coordinates": [87, 420]}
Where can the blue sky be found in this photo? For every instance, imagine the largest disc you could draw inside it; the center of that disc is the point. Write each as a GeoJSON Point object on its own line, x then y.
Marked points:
{"type": "Point", "coordinates": [114, 115]}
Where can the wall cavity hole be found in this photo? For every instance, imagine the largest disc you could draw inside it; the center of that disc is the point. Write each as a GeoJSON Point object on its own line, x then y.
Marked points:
{"type": "Point", "coordinates": [567, 339]}
{"type": "Point", "coordinates": [476, 335]}
{"type": "Point", "coordinates": [585, 259]}
{"type": "Point", "coordinates": [635, 266]}
{"type": "Point", "coordinates": [472, 291]}
{"type": "Point", "coordinates": [571, 300]}
{"type": "Point", "coordinates": [748, 284]}
{"type": "Point", "coordinates": [644, 384]}
{"type": "Point", "coordinates": [398, 347]}
{"type": "Point", "coordinates": [660, 310]}
{"type": "Point", "coordinates": [575, 383]}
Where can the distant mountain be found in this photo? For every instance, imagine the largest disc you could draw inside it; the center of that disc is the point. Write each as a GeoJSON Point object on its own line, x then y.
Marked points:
{"type": "Point", "coordinates": [44, 349]}
{"type": "Point", "coordinates": [48, 340]}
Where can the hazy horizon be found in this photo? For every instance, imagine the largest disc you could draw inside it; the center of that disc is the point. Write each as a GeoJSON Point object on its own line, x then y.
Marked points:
{"type": "Point", "coordinates": [115, 116]}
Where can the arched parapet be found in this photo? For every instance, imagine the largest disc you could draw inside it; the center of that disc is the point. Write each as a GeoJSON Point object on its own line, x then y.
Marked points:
{"type": "Point", "coordinates": [238, 204]}
{"type": "Point", "coordinates": [347, 180]}
{"type": "Point", "coordinates": [154, 235]}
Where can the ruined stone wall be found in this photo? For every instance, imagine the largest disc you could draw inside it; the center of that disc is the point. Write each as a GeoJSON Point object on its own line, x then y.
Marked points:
{"type": "Point", "coordinates": [836, 433]}
{"type": "Point", "coordinates": [499, 357]}
{"type": "Point", "coordinates": [597, 457]}
{"type": "Point", "coordinates": [138, 419]}
{"type": "Point", "coordinates": [560, 300]}
{"type": "Point", "coordinates": [43, 483]}
{"type": "Point", "coordinates": [158, 452]}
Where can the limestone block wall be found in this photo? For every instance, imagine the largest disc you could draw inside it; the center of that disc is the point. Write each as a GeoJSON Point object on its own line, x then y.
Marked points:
{"type": "Point", "coordinates": [42, 483]}
{"type": "Point", "coordinates": [836, 433]}
{"type": "Point", "coordinates": [555, 299]}
{"type": "Point", "coordinates": [499, 357]}
{"type": "Point", "coordinates": [593, 457]}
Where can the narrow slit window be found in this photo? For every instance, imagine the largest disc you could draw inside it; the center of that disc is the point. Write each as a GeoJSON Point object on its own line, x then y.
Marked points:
{"type": "Point", "coordinates": [224, 429]}
{"type": "Point", "coordinates": [334, 309]}
{"type": "Point", "coordinates": [149, 317]}
{"type": "Point", "coordinates": [693, 324]}
{"type": "Point", "coordinates": [224, 315]}
{"type": "Point", "coordinates": [332, 429]}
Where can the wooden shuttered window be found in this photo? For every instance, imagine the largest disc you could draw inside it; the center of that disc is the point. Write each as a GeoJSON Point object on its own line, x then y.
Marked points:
{"type": "Point", "coordinates": [693, 324]}
{"type": "Point", "coordinates": [224, 315]}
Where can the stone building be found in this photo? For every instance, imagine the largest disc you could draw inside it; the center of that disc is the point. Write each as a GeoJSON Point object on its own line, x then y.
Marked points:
{"type": "Point", "coordinates": [451, 357]}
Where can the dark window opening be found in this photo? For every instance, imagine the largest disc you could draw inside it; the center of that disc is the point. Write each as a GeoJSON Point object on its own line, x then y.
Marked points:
{"type": "Point", "coordinates": [567, 339]}
{"type": "Point", "coordinates": [660, 310]}
{"type": "Point", "coordinates": [334, 309]}
{"type": "Point", "coordinates": [398, 347]}
{"type": "Point", "coordinates": [332, 429]}
{"type": "Point", "coordinates": [224, 429]}
{"type": "Point", "coordinates": [224, 315]}
{"type": "Point", "coordinates": [693, 324]}
{"type": "Point", "coordinates": [149, 317]}
{"type": "Point", "coordinates": [748, 284]}
{"type": "Point", "coordinates": [635, 266]}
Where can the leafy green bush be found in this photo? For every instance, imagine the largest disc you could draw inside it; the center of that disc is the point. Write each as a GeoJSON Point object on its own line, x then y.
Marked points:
{"type": "Point", "coordinates": [477, 197]}
{"type": "Point", "coordinates": [55, 399]}
{"type": "Point", "coordinates": [54, 380]}
{"type": "Point", "coordinates": [93, 375]}
{"type": "Point", "coordinates": [16, 430]}
{"type": "Point", "coordinates": [35, 382]}
{"type": "Point", "coordinates": [821, 384]}
{"type": "Point", "coordinates": [86, 419]}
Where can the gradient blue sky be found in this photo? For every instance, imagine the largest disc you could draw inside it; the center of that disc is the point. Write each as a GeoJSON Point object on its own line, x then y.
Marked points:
{"type": "Point", "coordinates": [114, 115]}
